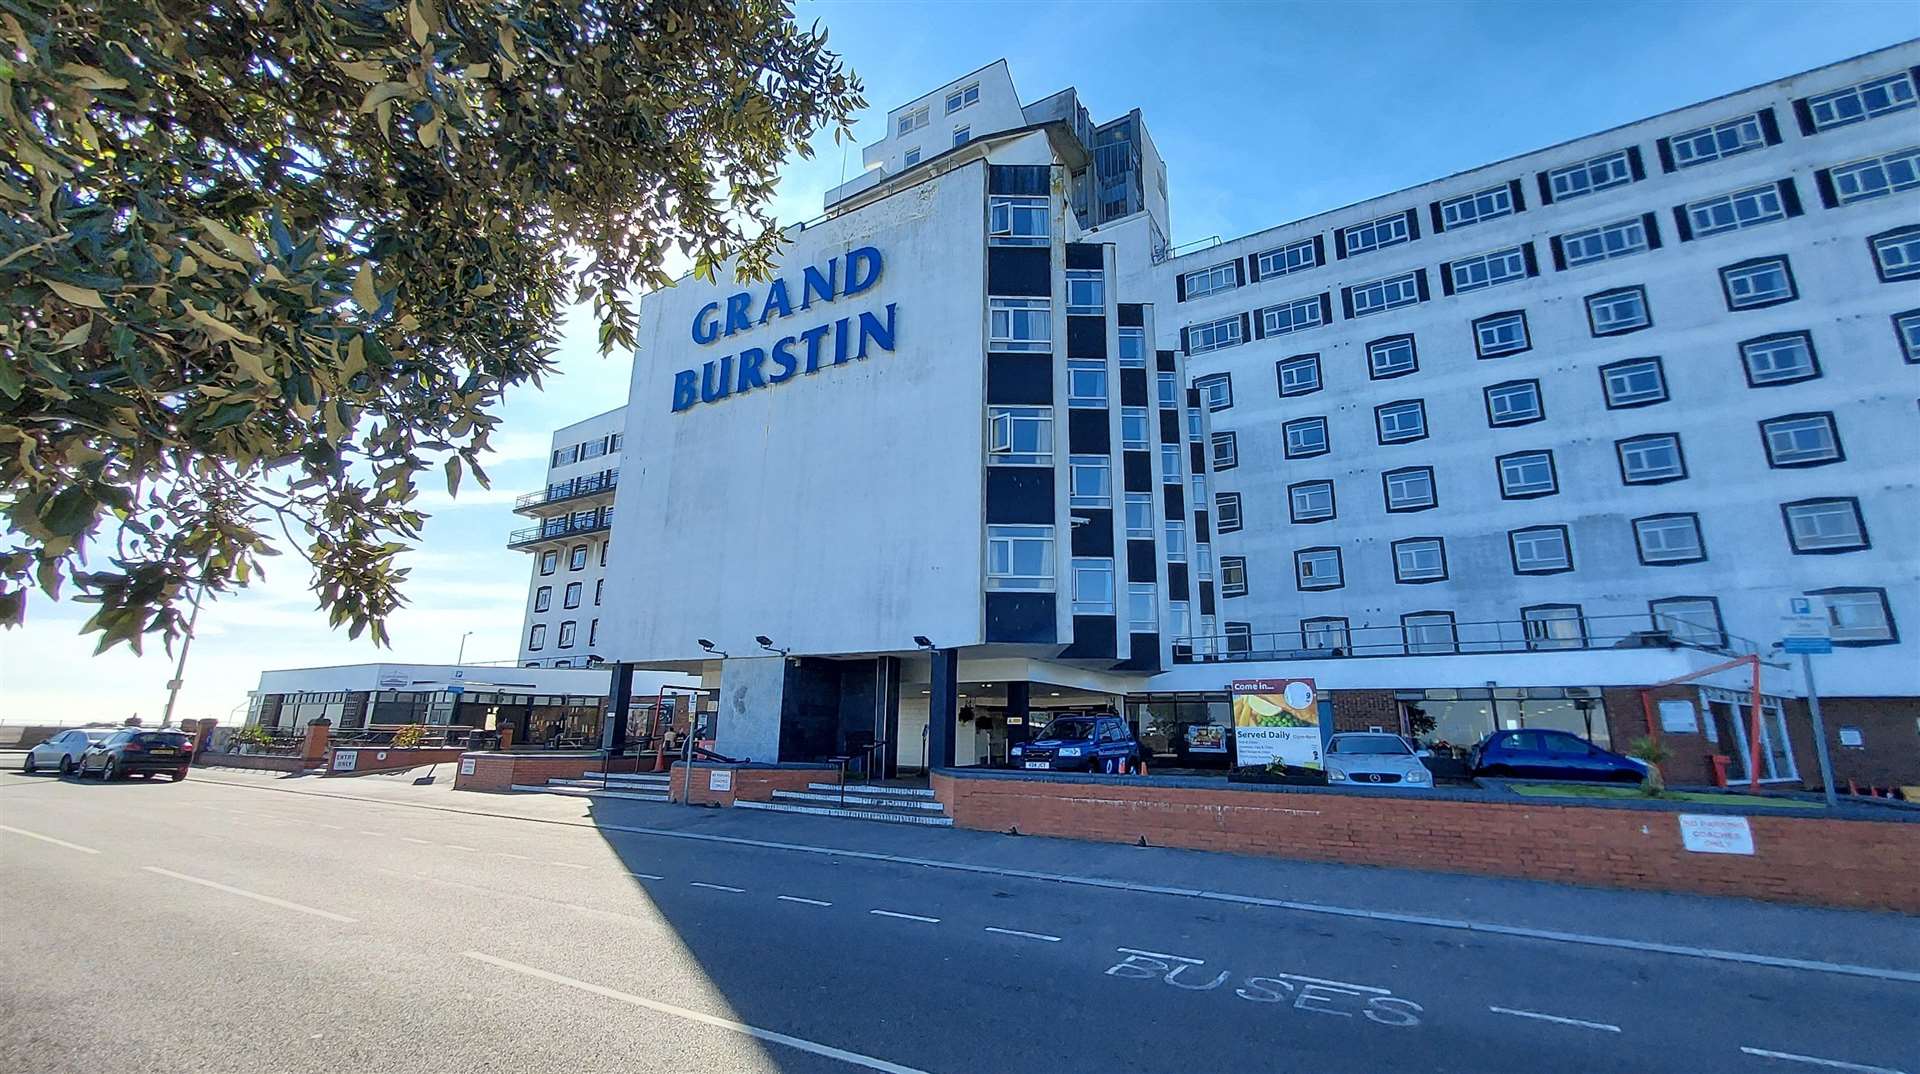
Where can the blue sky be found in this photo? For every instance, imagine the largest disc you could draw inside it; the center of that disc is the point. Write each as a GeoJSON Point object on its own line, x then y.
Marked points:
{"type": "Point", "coordinates": [1265, 112]}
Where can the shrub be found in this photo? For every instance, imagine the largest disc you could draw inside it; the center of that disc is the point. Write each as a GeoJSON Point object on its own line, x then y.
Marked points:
{"type": "Point", "coordinates": [408, 736]}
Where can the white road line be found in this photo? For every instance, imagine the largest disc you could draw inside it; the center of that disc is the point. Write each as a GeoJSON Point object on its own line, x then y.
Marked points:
{"type": "Point", "coordinates": [329, 827]}
{"type": "Point", "coordinates": [645, 876]}
{"type": "Point", "coordinates": [569, 865]}
{"type": "Point", "coordinates": [1583, 1024]}
{"type": "Point", "coordinates": [905, 917]}
{"type": "Point", "coordinates": [511, 854]}
{"type": "Point", "coordinates": [796, 898]}
{"type": "Point", "coordinates": [245, 894]}
{"type": "Point", "coordinates": [1162, 954]}
{"type": "Point", "coordinates": [1831, 1064]}
{"type": "Point", "coordinates": [1026, 935]}
{"type": "Point", "coordinates": [457, 846]}
{"type": "Point", "coordinates": [717, 887]}
{"type": "Point", "coordinates": [376, 835]}
{"type": "Point", "coordinates": [421, 842]}
{"type": "Point", "coordinates": [48, 839]}
{"type": "Point", "coordinates": [800, 1044]}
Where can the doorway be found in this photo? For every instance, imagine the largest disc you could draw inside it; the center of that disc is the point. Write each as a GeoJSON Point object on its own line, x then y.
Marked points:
{"type": "Point", "coordinates": [1730, 713]}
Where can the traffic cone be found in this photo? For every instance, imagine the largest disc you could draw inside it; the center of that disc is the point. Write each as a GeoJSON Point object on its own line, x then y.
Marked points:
{"type": "Point", "coordinates": [659, 758]}
{"type": "Point", "coordinates": [1143, 766]}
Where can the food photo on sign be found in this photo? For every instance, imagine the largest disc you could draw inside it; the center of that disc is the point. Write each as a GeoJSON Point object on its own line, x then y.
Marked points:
{"type": "Point", "coordinates": [1276, 722]}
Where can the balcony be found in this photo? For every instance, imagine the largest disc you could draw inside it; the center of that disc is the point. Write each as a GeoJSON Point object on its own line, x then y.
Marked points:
{"type": "Point", "coordinates": [561, 527]}
{"type": "Point", "coordinates": [1435, 637]}
{"type": "Point", "coordinates": [584, 485]}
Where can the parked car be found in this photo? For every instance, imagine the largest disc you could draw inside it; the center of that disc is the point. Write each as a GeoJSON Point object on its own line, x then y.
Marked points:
{"type": "Point", "coordinates": [1098, 743]}
{"type": "Point", "coordinates": [1375, 758]}
{"type": "Point", "coordinates": [136, 750]}
{"type": "Point", "coordinates": [1540, 754]}
{"type": "Point", "coordinates": [63, 751]}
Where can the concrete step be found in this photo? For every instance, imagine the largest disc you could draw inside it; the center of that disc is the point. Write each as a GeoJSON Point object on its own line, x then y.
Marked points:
{"type": "Point", "coordinates": [584, 792]}
{"type": "Point", "coordinates": [900, 817]}
{"type": "Point", "coordinates": [629, 777]}
{"type": "Point", "coordinates": [874, 790]}
{"type": "Point", "coordinates": [614, 784]}
{"type": "Point", "coordinates": [857, 798]}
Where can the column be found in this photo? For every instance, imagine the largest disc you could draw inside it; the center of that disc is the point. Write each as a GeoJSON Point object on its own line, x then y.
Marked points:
{"type": "Point", "coordinates": [613, 727]}
{"type": "Point", "coordinates": [888, 718]}
{"type": "Point", "coordinates": [1019, 697]}
{"type": "Point", "coordinates": [943, 707]}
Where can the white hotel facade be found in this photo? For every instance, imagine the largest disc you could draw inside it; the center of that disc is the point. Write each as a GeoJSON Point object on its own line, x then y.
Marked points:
{"type": "Point", "coordinates": [1497, 450]}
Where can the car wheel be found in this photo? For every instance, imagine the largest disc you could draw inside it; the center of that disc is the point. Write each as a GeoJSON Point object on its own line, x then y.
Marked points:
{"type": "Point", "coordinates": [1498, 771]}
{"type": "Point", "coordinates": [27, 765]}
{"type": "Point", "coordinates": [66, 766]}
{"type": "Point", "coordinates": [179, 774]}
{"type": "Point", "coordinates": [109, 771]}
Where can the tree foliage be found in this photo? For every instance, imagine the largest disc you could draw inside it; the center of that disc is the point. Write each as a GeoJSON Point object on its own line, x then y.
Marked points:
{"type": "Point", "coordinates": [268, 263]}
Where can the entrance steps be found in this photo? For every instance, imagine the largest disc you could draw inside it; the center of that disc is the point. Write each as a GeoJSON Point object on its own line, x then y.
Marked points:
{"type": "Point", "coordinates": [635, 786]}
{"type": "Point", "coordinates": [896, 805]}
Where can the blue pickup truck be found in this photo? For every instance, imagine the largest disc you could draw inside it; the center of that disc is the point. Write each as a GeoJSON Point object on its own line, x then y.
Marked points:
{"type": "Point", "coordinates": [1099, 743]}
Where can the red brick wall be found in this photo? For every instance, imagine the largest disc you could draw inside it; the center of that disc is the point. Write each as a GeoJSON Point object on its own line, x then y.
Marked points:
{"type": "Point", "coordinates": [1827, 862]}
{"type": "Point", "coordinates": [270, 762]}
{"type": "Point", "coordinates": [1889, 754]}
{"type": "Point", "coordinates": [749, 784]}
{"type": "Point", "coordinates": [371, 759]}
{"type": "Point", "coordinates": [1359, 710]}
{"type": "Point", "coordinates": [500, 771]}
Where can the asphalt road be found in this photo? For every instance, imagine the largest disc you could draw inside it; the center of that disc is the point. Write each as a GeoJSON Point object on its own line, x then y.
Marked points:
{"type": "Point", "coordinates": [213, 927]}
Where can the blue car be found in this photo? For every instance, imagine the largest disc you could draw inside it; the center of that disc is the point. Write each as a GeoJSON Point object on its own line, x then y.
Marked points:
{"type": "Point", "coordinates": [1102, 743]}
{"type": "Point", "coordinates": [1542, 754]}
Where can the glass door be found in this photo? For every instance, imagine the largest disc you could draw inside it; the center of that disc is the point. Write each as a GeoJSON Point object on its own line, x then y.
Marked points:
{"type": "Point", "coordinates": [1776, 750]}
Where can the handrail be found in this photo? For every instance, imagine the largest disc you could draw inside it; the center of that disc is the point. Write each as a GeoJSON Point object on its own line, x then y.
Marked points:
{"type": "Point", "coordinates": [565, 526]}
{"type": "Point", "coordinates": [572, 488]}
{"type": "Point", "coordinates": [1591, 632]}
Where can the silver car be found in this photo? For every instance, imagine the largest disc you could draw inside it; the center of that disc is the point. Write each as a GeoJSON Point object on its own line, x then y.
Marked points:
{"type": "Point", "coordinates": [62, 752]}
{"type": "Point", "coordinates": [1373, 758]}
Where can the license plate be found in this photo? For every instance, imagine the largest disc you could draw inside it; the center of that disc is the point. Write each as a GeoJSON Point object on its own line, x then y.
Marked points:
{"type": "Point", "coordinates": [163, 753]}
{"type": "Point", "coordinates": [1039, 764]}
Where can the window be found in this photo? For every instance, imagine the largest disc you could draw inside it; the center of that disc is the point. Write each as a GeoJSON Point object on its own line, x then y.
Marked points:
{"type": "Point", "coordinates": [1292, 257]}
{"type": "Point", "coordinates": [911, 121]}
{"type": "Point", "coordinates": [1020, 557]}
{"type": "Point", "coordinates": [1133, 347]}
{"type": "Point", "coordinates": [1325, 633]}
{"type": "Point", "coordinates": [1194, 425]}
{"type": "Point", "coordinates": [1086, 383]}
{"type": "Point", "coordinates": [1020, 435]}
{"type": "Point", "coordinates": [1226, 512]}
{"type": "Point", "coordinates": [961, 98]}
{"type": "Point", "coordinates": [1517, 402]}
{"type": "Point", "coordinates": [1176, 541]}
{"type": "Point", "coordinates": [1857, 616]}
{"type": "Point", "coordinates": [1526, 475]}
{"type": "Point", "coordinates": [1295, 316]}
{"type": "Point", "coordinates": [1305, 437]}
{"type": "Point", "coordinates": [1140, 515]}
{"type": "Point", "coordinates": [1401, 421]}
{"type": "Point", "coordinates": [1500, 334]}
{"type": "Point", "coordinates": [572, 597]}
{"type": "Point", "coordinates": [1092, 586]}
{"type": "Point", "coordinates": [1216, 390]}
{"type": "Point", "coordinates": [566, 456]}
{"type": "Point", "coordinates": [1896, 254]}
{"type": "Point", "coordinates": [1865, 100]}
{"type": "Point", "coordinates": [1233, 576]}
{"type": "Point", "coordinates": [599, 590]}
{"type": "Point", "coordinates": [1906, 329]}
{"type": "Point", "coordinates": [1300, 374]}
{"type": "Point", "coordinates": [912, 156]}
{"type": "Point", "coordinates": [1377, 234]}
{"type": "Point", "coordinates": [1554, 626]}
{"type": "Point", "coordinates": [537, 639]}
{"type": "Point", "coordinates": [1669, 539]}
{"type": "Point", "coordinates": [1690, 620]}
{"type": "Point", "coordinates": [1409, 489]}
{"type": "Point", "coordinates": [1622, 238]}
{"type": "Point", "coordinates": [1214, 335]}
{"type": "Point", "coordinates": [1086, 292]}
{"type": "Point", "coordinates": [1391, 357]}
{"type": "Point", "coordinates": [1020, 324]}
{"type": "Point", "coordinates": [1167, 388]}
{"type": "Point", "coordinates": [1429, 632]}
{"type": "Point", "coordinates": [1387, 294]}
{"type": "Point", "coordinates": [577, 561]}
{"type": "Point", "coordinates": [1202, 282]}
{"type": "Point", "coordinates": [1488, 204]}
{"type": "Point", "coordinates": [593, 632]}
{"type": "Point", "coordinates": [1782, 358]}
{"type": "Point", "coordinates": [1018, 220]}
{"type": "Point", "coordinates": [1651, 460]}
{"type": "Point", "coordinates": [1419, 559]}
{"type": "Point", "coordinates": [1801, 440]}
{"type": "Point", "coordinates": [1197, 491]}
{"type": "Point", "coordinates": [1876, 177]}
{"type": "Point", "coordinates": [1733, 212]}
{"type": "Point", "coordinates": [1616, 312]}
{"type": "Point", "coordinates": [566, 634]}
{"type": "Point", "coordinates": [1634, 382]}
{"type": "Point", "coordinates": [1709, 144]}
{"type": "Point", "coordinates": [1143, 608]}
{"type": "Point", "coordinates": [549, 561]}
{"type": "Point", "coordinates": [1310, 501]}
{"type": "Point", "coordinates": [1226, 451]}
{"type": "Point", "coordinates": [1488, 269]}
{"type": "Point", "coordinates": [1133, 428]}
{"type": "Point", "coordinates": [1179, 621]}
{"type": "Point", "coordinates": [604, 545]}
{"type": "Point", "coordinates": [593, 449]}
{"type": "Point", "coordinates": [1317, 568]}
{"type": "Point", "coordinates": [1825, 525]}
{"type": "Point", "coordinates": [1239, 637]}
{"type": "Point", "coordinates": [1092, 481]}
{"type": "Point", "coordinates": [1600, 173]}
{"type": "Point", "coordinates": [1540, 550]}
{"type": "Point", "coordinates": [962, 135]}
{"type": "Point", "coordinates": [1765, 281]}
{"type": "Point", "coordinates": [1171, 465]}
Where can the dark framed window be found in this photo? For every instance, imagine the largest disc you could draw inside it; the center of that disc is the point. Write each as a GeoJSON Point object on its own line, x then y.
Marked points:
{"type": "Point", "coordinates": [567, 630]}
{"type": "Point", "coordinates": [1780, 358]}
{"type": "Point", "coordinates": [549, 561]}
{"type": "Point", "coordinates": [1299, 375]}
{"type": "Point", "coordinates": [1239, 637]}
{"type": "Point", "coordinates": [1393, 356]}
{"type": "Point", "coordinates": [543, 598]}
{"type": "Point", "coordinates": [1401, 421]}
{"type": "Point", "coordinates": [1318, 568]}
{"type": "Point", "coordinates": [1325, 633]}
{"type": "Point", "coordinates": [1429, 633]}
{"type": "Point", "coordinates": [1669, 539]}
{"type": "Point", "coordinates": [1906, 332]}
{"type": "Point", "coordinates": [572, 597]}
{"type": "Point", "coordinates": [1896, 254]}
{"type": "Point", "coordinates": [1226, 512]}
{"type": "Point", "coordinates": [1419, 560]}
{"type": "Point", "coordinates": [577, 560]}
{"type": "Point", "coordinates": [1499, 334]}
{"type": "Point", "coordinates": [1690, 620]}
{"type": "Point", "coordinates": [1793, 441]}
{"type": "Point", "coordinates": [1858, 615]}
{"type": "Point", "coordinates": [1540, 550]}
{"type": "Point", "coordinates": [1653, 459]}
{"type": "Point", "coordinates": [1233, 576]}
{"type": "Point", "coordinates": [1619, 311]}
{"type": "Point", "coordinates": [1216, 390]}
{"type": "Point", "coordinates": [1409, 488]}
{"type": "Point", "coordinates": [1633, 382]}
{"type": "Point", "coordinates": [1825, 526]}
{"type": "Point", "coordinates": [1554, 626]}
{"type": "Point", "coordinates": [1761, 282]}
{"type": "Point", "coordinates": [1305, 437]}
{"type": "Point", "coordinates": [1226, 451]}
{"type": "Point", "coordinates": [1515, 402]}
{"type": "Point", "coordinates": [537, 637]}
{"type": "Point", "coordinates": [1310, 501]}
{"type": "Point", "coordinates": [1527, 475]}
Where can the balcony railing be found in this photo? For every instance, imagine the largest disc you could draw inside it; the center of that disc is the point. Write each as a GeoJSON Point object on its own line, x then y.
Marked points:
{"type": "Point", "coordinates": [1446, 638]}
{"type": "Point", "coordinates": [562, 526]}
{"type": "Point", "coordinates": [584, 485]}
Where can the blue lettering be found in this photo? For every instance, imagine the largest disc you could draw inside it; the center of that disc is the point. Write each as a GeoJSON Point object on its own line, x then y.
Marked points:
{"type": "Point", "coordinates": [777, 302]}
{"type": "Point", "coordinates": [707, 330]}
{"type": "Point", "coordinates": [750, 377]}
{"type": "Point", "coordinates": [813, 336]}
{"type": "Point", "coordinates": [840, 355]}
{"type": "Point", "coordinates": [870, 329]}
{"type": "Point", "coordinates": [737, 319]}
{"type": "Point", "coordinates": [686, 389]}
{"type": "Point", "coordinates": [710, 392]}
{"type": "Point", "coordinates": [865, 257]}
{"type": "Point", "coordinates": [783, 357]}
{"type": "Point", "coordinates": [814, 282]}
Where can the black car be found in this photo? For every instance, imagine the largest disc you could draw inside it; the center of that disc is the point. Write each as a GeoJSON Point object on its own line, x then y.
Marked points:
{"type": "Point", "coordinates": [133, 750]}
{"type": "Point", "coordinates": [1535, 753]}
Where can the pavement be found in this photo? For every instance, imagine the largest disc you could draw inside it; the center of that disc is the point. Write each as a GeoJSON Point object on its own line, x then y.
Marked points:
{"type": "Point", "coordinates": [245, 921]}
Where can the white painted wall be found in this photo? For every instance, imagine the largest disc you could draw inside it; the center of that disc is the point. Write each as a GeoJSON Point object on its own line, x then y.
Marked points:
{"type": "Point", "coordinates": [593, 430]}
{"type": "Point", "coordinates": [997, 110]}
{"type": "Point", "coordinates": [751, 691]}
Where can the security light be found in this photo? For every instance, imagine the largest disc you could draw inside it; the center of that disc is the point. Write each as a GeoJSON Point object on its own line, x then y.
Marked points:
{"type": "Point", "coordinates": [923, 641]}
{"type": "Point", "coordinates": [708, 646]}
{"type": "Point", "coordinates": [767, 644]}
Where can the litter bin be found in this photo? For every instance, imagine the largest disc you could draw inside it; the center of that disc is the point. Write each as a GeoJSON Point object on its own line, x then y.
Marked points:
{"type": "Point", "coordinates": [1721, 763]}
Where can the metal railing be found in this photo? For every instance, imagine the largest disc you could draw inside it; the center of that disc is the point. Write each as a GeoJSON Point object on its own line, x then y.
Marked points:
{"type": "Point", "coordinates": [1447, 638]}
{"type": "Point", "coordinates": [584, 485]}
{"type": "Point", "coordinates": [562, 526]}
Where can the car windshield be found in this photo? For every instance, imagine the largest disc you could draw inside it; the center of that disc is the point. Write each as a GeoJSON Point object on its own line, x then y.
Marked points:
{"type": "Point", "coordinates": [1073, 728]}
{"type": "Point", "coordinates": [1367, 744]}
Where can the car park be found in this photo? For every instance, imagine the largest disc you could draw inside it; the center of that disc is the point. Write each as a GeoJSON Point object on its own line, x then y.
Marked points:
{"type": "Point", "coordinates": [1537, 753]}
{"type": "Point", "coordinates": [137, 751]}
{"type": "Point", "coordinates": [1375, 759]}
{"type": "Point", "coordinates": [63, 751]}
{"type": "Point", "coordinates": [1080, 743]}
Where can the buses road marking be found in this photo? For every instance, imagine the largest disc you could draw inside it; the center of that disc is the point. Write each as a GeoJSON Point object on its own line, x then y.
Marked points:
{"type": "Point", "coordinates": [245, 894]}
{"type": "Point", "coordinates": [48, 839]}
{"type": "Point", "coordinates": [1831, 1064]}
{"type": "Point", "coordinates": [1582, 1023]}
{"type": "Point", "coordinates": [1316, 995]}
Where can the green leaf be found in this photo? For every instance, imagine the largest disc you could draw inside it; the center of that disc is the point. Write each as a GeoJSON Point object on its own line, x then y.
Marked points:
{"type": "Point", "coordinates": [71, 511]}
{"type": "Point", "coordinates": [453, 475]}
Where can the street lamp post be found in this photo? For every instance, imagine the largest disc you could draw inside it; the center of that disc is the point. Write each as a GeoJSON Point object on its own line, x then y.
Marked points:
{"type": "Point", "coordinates": [461, 657]}
{"type": "Point", "coordinates": [180, 666]}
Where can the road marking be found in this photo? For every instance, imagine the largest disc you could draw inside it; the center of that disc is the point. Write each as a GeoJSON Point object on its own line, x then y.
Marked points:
{"type": "Point", "coordinates": [48, 839]}
{"type": "Point", "coordinates": [1342, 984]}
{"type": "Point", "coordinates": [376, 835]}
{"type": "Point", "coordinates": [1582, 1023]}
{"type": "Point", "coordinates": [1161, 954]}
{"type": "Point", "coordinates": [798, 1043]}
{"type": "Point", "coordinates": [905, 917]}
{"type": "Point", "coordinates": [245, 894]}
{"type": "Point", "coordinates": [645, 876]}
{"type": "Point", "coordinates": [421, 842]}
{"type": "Point", "coordinates": [569, 865]}
{"type": "Point", "coordinates": [457, 846]}
{"type": "Point", "coordinates": [796, 898]}
{"type": "Point", "coordinates": [511, 854]}
{"type": "Point", "coordinates": [718, 887]}
{"type": "Point", "coordinates": [1025, 935]}
{"type": "Point", "coordinates": [329, 827]}
{"type": "Point", "coordinates": [1831, 1064]}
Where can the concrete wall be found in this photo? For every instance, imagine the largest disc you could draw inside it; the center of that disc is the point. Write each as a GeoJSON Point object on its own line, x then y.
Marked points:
{"type": "Point", "coordinates": [592, 431]}
{"type": "Point", "coordinates": [751, 692]}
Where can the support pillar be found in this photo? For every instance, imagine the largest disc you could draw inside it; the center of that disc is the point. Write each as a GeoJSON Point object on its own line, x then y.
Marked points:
{"type": "Point", "coordinates": [613, 729]}
{"type": "Point", "coordinates": [887, 716]}
{"type": "Point", "coordinates": [943, 707]}
{"type": "Point", "coordinates": [1019, 700]}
